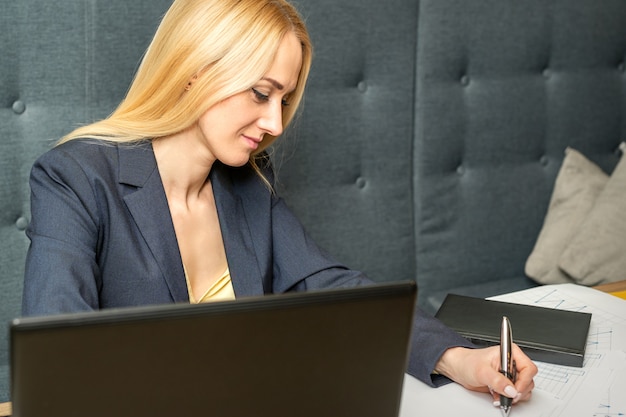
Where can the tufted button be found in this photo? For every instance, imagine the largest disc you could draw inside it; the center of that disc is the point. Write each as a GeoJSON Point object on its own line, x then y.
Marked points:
{"type": "Point", "coordinates": [544, 160]}
{"type": "Point", "coordinates": [361, 183]}
{"type": "Point", "coordinates": [19, 107]}
{"type": "Point", "coordinates": [21, 223]}
{"type": "Point", "coordinates": [362, 86]}
{"type": "Point", "coordinates": [546, 73]}
{"type": "Point", "coordinates": [621, 67]}
{"type": "Point", "coordinates": [465, 80]}
{"type": "Point", "coordinates": [460, 170]}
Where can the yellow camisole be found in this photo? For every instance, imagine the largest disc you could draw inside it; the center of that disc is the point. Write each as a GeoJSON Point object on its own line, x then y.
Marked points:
{"type": "Point", "coordinates": [221, 290]}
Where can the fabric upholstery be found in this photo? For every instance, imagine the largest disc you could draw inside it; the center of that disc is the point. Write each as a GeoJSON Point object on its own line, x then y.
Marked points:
{"type": "Point", "coordinates": [352, 144]}
{"type": "Point", "coordinates": [63, 64]}
{"type": "Point", "coordinates": [503, 87]}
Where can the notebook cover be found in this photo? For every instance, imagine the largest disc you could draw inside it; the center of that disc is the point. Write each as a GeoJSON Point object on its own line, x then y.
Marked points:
{"type": "Point", "coordinates": [545, 334]}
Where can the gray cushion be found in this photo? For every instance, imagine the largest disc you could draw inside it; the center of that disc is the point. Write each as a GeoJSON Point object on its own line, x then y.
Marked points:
{"type": "Point", "coordinates": [577, 186]}
{"type": "Point", "coordinates": [596, 253]}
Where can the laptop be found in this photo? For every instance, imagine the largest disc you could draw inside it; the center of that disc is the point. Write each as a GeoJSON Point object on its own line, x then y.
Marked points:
{"type": "Point", "coordinates": [340, 352]}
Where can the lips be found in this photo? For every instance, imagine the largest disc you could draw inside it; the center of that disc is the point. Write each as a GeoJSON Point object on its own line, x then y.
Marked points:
{"type": "Point", "coordinates": [252, 141]}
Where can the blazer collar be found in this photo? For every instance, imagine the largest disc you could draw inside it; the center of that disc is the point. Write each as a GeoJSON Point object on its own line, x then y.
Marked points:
{"type": "Point", "coordinates": [240, 252]}
{"type": "Point", "coordinates": [149, 208]}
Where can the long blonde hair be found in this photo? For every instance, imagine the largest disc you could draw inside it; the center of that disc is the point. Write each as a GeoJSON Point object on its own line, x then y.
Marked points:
{"type": "Point", "coordinates": [226, 46]}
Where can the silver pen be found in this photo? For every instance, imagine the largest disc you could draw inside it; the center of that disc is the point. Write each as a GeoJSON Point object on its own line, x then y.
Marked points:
{"type": "Point", "coordinates": [507, 365]}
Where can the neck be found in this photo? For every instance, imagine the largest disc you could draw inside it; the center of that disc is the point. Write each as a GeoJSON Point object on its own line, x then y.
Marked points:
{"type": "Point", "coordinates": [184, 166]}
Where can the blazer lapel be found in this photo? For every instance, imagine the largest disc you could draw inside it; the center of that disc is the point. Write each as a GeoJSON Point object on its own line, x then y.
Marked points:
{"type": "Point", "coordinates": [242, 260]}
{"type": "Point", "coordinates": [148, 206]}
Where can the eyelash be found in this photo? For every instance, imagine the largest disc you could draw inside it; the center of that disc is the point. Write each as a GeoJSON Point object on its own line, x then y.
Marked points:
{"type": "Point", "coordinates": [264, 97]}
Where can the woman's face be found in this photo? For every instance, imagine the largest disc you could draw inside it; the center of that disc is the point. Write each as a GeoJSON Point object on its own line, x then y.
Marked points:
{"type": "Point", "coordinates": [234, 128]}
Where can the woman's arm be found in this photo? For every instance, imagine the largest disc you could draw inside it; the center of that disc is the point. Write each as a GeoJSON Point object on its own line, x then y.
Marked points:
{"type": "Point", "coordinates": [300, 265]}
{"type": "Point", "coordinates": [61, 271]}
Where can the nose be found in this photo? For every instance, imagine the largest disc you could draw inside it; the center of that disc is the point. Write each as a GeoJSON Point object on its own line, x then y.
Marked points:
{"type": "Point", "coordinates": [271, 121]}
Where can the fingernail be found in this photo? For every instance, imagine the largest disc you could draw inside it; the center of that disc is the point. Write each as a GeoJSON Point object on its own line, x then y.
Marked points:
{"type": "Point", "coordinates": [510, 391]}
{"type": "Point", "coordinates": [496, 403]}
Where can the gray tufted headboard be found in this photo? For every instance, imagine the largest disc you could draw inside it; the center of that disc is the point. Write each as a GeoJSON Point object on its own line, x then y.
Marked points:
{"type": "Point", "coordinates": [497, 90]}
{"type": "Point", "coordinates": [63, 64]}
{"type": "Point", "coordinates": [346, 165]}
{"type": "Point", "coordinates": [431, 134]}
{"type": "Point", "coordinates": [502, 88]}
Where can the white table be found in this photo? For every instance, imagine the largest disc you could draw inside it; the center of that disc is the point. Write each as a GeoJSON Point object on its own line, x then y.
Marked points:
{"type": "Point", "coordinates": [596, 390]}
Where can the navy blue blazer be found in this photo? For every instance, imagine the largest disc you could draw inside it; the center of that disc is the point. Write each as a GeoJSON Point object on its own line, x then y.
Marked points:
{"type": "Point", "coordinates": [102, 236]}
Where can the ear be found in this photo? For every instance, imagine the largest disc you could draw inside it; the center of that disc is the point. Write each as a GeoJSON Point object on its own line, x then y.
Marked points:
{"type": "Point", "coordinates": [190, 83]}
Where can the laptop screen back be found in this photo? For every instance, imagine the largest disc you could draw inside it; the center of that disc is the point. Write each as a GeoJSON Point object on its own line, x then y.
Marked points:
{"type": "Point", "coordinates": [328, 353]}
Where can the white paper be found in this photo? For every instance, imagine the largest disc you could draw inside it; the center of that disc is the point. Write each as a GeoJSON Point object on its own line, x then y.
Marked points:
{"type": "Point", "coordinates": [598, 389]}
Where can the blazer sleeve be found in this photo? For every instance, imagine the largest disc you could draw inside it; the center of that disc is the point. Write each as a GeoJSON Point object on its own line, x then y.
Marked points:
{"type": "Point", "coordinates": [61, 273]}
{"type": "Point", "coordinates": [296, 255]}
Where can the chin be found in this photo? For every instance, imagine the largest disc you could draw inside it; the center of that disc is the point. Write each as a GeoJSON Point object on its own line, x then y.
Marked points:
{"type": "Point", "coordinates": [236, 162]}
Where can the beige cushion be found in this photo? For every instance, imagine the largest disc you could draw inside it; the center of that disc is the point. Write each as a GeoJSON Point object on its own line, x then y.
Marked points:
{"type": "Point", "coordinates": [578, 184]}
{"type": "Point", "coordinates": [597, 254]}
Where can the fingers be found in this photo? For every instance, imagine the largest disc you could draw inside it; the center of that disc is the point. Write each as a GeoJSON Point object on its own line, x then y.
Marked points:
{"type": "Point", "coordinates": [518, 398]}
{"type": "Point", "coordinates": [521, 388]}
{"type": "Point", "coordinates": [526, 371]}
{"type": "Point", "coordinates": [479, 370]}
{"type": "Point", "coordinates": [495, 396]}
{"type": "Point", "coordinates": [501, 385]}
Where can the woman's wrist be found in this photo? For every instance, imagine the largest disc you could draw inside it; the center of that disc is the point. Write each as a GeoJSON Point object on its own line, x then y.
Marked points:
{"type": "Point", "coordinates": [447, 362]}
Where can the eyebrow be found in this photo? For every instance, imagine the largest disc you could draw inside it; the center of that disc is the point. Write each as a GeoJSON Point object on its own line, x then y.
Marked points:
{"type": "Point", "coordinates": [275, 83]}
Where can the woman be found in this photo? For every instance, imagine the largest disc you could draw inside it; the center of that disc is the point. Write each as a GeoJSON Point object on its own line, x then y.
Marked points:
{"type": "Point", "coordinates": [170, 198]}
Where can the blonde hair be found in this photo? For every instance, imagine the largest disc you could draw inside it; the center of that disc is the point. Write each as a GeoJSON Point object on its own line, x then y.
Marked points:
{"type": "Point", "coordinates": [226, 46]}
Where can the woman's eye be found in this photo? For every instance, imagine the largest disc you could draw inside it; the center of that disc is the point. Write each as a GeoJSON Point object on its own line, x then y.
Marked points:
{"type": "Point", "coordinates": [259, 95]}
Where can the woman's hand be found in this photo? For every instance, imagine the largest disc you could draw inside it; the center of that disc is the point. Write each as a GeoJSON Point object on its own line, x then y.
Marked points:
{"type": "Point", "coordinates": [478, 370]}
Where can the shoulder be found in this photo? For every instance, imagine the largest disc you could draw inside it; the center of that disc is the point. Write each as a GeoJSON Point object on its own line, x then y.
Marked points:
{"type": "Point", "coordinates": [77, 152]}
{"type": "Point", "coordinates": [90, 155]}
{"type": "Point", "coordinates": [82, 148]}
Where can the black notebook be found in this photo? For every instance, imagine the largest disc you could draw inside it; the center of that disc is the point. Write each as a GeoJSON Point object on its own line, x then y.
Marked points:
{"type": "Point", "coordinates": [545, 334]}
